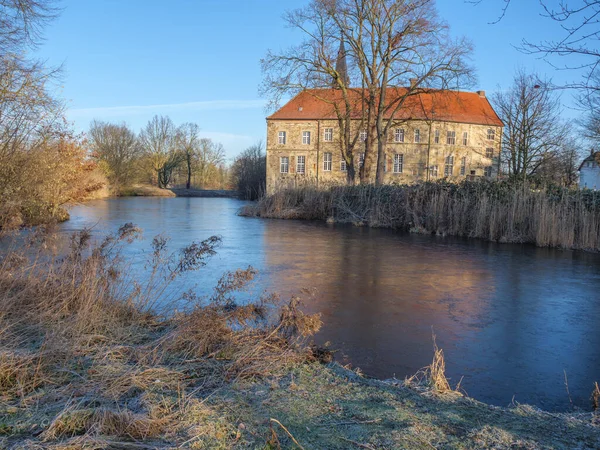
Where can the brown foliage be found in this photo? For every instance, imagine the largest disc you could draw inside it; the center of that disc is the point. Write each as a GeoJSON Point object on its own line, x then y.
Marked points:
{"type": "Point", "coordinates": [37, 183]}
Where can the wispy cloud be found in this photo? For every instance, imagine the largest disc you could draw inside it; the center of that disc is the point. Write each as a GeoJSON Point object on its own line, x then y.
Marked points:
{"type": "Point", "coordinates": [121, 111]}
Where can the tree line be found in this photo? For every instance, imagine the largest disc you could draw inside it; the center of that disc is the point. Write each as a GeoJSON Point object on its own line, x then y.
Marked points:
{"type": "Point", "coordinates": [161, 154]}
{"type": "Point", "coordinates": [166, 155]}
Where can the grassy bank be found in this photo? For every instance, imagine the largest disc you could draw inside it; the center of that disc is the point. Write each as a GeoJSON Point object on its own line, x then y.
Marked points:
{"type": "Point", "coordinates": [495, 211]}
{"type": "Point", "coordinates": [146, 190]}
{"type": "Point", "coordinates": [90, 359]}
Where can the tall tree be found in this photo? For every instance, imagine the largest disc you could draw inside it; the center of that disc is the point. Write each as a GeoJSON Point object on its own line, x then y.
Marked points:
{"type": "Point", "coordinates": [533, 129]}
{"type": "Point", "coordinates": [27, 107]}
{"type": "Point", "coordinates": [158, 141]}
{"type": "Point", "coordinates": [561, 166]}
{"type": "Point", "coordinates": [388, 43]}
{"type": "Point", "coordinates": [249, 172]}
{"type": "Point", "coordinates": [209, 157]}
{"type": "Point", "coordinates": [188, 142]}
{"type": "Point", "coordinates": [117, 147]}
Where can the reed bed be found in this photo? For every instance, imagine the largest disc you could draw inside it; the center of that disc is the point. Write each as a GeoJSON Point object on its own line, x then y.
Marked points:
{"type": "Point", "coordinates": [503, 211]}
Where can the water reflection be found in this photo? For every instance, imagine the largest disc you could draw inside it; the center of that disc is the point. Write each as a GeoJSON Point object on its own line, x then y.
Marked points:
{"type": "Point", "coordinates": [509, 318]}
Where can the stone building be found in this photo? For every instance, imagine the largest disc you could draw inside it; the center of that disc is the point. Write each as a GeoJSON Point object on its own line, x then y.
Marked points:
{"type": "Point", "coordinates": [438, 134]}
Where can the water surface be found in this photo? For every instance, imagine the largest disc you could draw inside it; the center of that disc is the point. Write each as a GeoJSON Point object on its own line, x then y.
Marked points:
{"type": "Point", "coordinates": [511, 319]}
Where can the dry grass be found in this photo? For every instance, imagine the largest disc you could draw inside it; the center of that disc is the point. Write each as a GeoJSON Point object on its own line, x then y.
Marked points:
{"type": "Point", "coordinates": [86, 350]}
{"type": "Point", "coordinates": [497, 211]}
{"type": "Point", "coordinates": [432, 378]}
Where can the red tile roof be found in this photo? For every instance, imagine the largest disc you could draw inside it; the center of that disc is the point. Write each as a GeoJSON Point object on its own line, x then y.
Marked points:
{"type": "Point", "coordinates": [446, 105]}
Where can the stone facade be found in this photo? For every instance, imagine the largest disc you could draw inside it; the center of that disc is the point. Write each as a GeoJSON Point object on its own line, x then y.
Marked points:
{"type": "Point", "coordinates": [305, 151]}
{"type": "Point", "coordinates": [323, 160]}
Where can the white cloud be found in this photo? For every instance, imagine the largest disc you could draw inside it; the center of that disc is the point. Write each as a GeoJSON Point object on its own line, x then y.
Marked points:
{"type": "Point", "coordinates": [122, 111]}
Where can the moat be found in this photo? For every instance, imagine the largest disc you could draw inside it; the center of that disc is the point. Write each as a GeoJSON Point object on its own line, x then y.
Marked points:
{"type": "Point", "coordinates": [511, 319]}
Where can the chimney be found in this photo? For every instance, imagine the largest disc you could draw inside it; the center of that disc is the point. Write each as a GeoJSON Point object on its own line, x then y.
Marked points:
{"type": "Point", "coordinates": [413, 82]}
{"type": "Point", "coordinates": [481, 93]}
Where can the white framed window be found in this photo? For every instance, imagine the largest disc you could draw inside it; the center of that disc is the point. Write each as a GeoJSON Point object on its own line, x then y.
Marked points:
{"type": "Point", "coordinates": [491, 134]}
{"type": "Point", "coordinates": [363, 136]}
{"type": "Point", "coordinates": [451, 138]}
{"type": "Point", "coordinates": [488, 171]}
{"type": "Point", "coordinates": [306, 138]}
{"type": "Point", "coordinates": [328, 135]}
{"type": "Point", "coordinates": [417, 136]}
{"type": "Point", "coordinates": [449, 166]}
{"type": "Point", "coordinates": [361, 159]}
{"type": "Point", "coordinates": [398, 163]}
{"type": "Point", "coordinates": [300, 164]}
{"type": "Point", "coordinates": [436, 136]}
{"type": "Point", "coordinates": [399, 135]}
{"type": "Point", "coordinates": [327, 158]}
{"type": "Point", "coordinates": [282, 138]}
{"type": "Point", "coordinates": [463, 165]}
{"type": "Point", "coordinates": [465, 138]}
{"type": "Point", "coordinates": [343, 167]}
{"type": "Point", "coordinates": [284, 164]}
{"type": "Point", "coordinates": [434, 171]}
{"type": "Point", "coordinates": [489, 153]}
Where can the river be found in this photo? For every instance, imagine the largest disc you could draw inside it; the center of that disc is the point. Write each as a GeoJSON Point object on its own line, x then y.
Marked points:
{"type": "Point", "coordinates": [511, 319]}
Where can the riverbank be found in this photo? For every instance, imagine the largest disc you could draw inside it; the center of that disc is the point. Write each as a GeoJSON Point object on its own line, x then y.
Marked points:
{"type": "Point", "coordinates": [88, 360]}
{"type": "Point", "coordinates": [146, 190]}
{"type": "Point", "coordinates": [495, 211]}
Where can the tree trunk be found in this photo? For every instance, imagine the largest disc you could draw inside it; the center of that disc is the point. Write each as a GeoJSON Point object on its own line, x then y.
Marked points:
{"type": "Point", "coordinates": [379, 175]}
{"type": "Point", "coordinates": [188, 184]}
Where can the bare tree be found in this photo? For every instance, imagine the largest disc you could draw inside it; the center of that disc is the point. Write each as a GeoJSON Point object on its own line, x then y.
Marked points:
{"type": "Point", "coordinates": [188, 142]}
{"type": "Point", "coordinates": [158, 141]}
{"type": "Point", "coordinates": [22, 23]}
{"type": "Point", "coordinates": [317, 62]}
{"type": "Point", "coordinates": [117, 147]}
{"type": "Point", "coordinates": [389, 43]}
{"type": "Point", "coordinates": [395, 43]}
{"type": "Point", "coordinates": [561, 166]}
{"type": "Point", "coordinates": [42, 164]}
{"type": "Point", "coordinates": [27, 108]}
{"type": "Point", "coordinates": [249, 172]}
{"type": "Point", "coordinates": [578, 34]}
{"type": "Point", "coordinates": [533, 128]}
{"type": "Point", "coordinates": [209, 157]}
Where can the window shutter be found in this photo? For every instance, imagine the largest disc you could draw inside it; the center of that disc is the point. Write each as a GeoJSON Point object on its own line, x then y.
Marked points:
{"type": "Point", "coordinates": [390, 164]}
{"type": "Point", "coordinates": [292, 165]}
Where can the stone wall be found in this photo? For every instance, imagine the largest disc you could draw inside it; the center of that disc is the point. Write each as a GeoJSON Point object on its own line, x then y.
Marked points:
{"type": "Point", "coordinates": [472, 159]}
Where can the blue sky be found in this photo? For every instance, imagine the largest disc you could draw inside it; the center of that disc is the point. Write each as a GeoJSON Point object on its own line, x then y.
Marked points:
{"type": "Point", "coordinates": [198, 60]}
